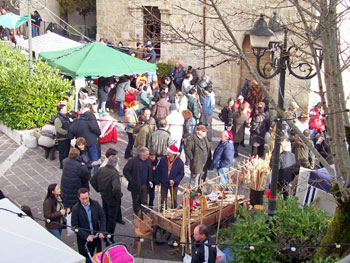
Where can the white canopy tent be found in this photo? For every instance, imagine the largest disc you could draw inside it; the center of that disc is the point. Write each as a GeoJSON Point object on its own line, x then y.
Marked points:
{"type": "Point", "coordinates": [47, 43]}
{"type": "Point", "coordinates": [24, 240]}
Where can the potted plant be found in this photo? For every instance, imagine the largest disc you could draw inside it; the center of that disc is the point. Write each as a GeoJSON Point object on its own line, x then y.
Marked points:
{"type": "Point", "coordinates": [163, 70]}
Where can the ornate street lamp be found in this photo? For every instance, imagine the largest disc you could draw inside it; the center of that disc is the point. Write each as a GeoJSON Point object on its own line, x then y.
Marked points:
{"type": "Point", "coordinates": [261, 34]}
{"type": "Point", "coordinates": [276, 65]}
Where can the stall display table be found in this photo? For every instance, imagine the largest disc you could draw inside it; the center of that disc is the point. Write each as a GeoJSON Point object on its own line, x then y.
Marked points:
{"type": "Point", "coordinates": [108, 129]}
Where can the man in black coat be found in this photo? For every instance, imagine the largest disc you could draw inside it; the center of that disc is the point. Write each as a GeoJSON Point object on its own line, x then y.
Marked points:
{"type": "Point", "coordinates": [202, 253]}
{"type": "Point", "coordinates": [106, 181]}
{"type": "Point", "coordinates": [137, 171]}
{"type": "Point", "coordinates": [88, 214]}
{"type": "Point", "coordinates": [86, 126]}
{"type": "Point", "coordinates": [75, 175]}
{"type": "Point", "coordinates": [286, 165]}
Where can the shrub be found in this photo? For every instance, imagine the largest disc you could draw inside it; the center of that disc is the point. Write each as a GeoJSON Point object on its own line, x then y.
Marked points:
{"type": "Point", "coordinates": [324, 260]}
{"type": "Point", "coordinates": [28, 101]}
{"type": "Point", "coordinates": [291, 225]}
{"type": "Point", "coordinates": [164, 69]}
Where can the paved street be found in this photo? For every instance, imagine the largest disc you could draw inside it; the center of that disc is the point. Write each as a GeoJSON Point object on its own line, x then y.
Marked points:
{"type": "Point", "coordinates": [25, 175]}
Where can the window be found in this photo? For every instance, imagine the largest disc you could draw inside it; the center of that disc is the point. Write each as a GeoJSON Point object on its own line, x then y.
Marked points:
{"type": "Point", "coordinates": [152, 27]}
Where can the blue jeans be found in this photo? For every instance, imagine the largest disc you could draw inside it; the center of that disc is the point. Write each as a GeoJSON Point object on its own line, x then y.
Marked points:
{"type": "Point", "coordinates": [55, 232]}
{"type": "Point", "coordinates": [152, 77]}
{"type": "Point", "coordinates": [35, 31]}
{"type": "Point", "coordinates": [121, 108]}
{"type": "Point", "coordinates": [223, 179]}
{"type": "Point", "coordinates": [93, 155]}
{"type": "Point", "coordinates": [102, 104]}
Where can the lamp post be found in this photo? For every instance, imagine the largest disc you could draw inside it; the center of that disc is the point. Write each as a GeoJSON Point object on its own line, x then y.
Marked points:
{"type": "Point", "coordinates": [30, 36]}
{"type": "Point", "coordinates": [38, 4]}
{"type": "Point", "coordinates": [260, 37]}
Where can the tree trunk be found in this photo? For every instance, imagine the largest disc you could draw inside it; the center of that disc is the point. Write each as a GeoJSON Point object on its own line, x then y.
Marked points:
{"type": "Point", "coordinates": [64, 16]}
{"type": "Point", "coordinates": [338, 232]}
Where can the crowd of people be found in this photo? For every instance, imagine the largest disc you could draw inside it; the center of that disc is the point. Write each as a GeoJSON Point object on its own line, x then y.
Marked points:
{"type": "Point", "coordinates": [162, 122]}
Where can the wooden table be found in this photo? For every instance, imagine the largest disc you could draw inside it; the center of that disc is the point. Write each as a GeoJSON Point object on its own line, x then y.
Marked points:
{"type": "Point", "coordinates": [209, 217]}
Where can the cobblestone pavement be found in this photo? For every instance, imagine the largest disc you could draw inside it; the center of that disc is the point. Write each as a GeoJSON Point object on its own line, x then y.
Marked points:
{"type": "Point", "coordinates": [25, 175]}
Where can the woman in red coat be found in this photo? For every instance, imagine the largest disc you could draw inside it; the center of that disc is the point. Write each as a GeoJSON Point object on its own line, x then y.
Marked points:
{"type": "Point", "coordinates": [316, 122]}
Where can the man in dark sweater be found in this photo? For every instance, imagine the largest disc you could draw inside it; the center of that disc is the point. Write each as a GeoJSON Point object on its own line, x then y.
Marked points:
{"type": "Point", "coordinates": [202, 252]}
{"type": "Point", "coordinates": [137, 171]}
{"type": "Point", "coordinates": [106, 181]}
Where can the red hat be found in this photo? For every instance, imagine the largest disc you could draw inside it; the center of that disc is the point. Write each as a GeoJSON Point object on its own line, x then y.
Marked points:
{"type": "Point", "coordinates": [229, 134]}
{"type": "Point", "coordinates": [173, 149]}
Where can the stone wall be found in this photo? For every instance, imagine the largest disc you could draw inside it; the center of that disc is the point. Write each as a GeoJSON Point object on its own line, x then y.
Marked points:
{"type": "Point", "coordinates": [122, 20]}
{"type": "Point", "coordinates": [74, 19]}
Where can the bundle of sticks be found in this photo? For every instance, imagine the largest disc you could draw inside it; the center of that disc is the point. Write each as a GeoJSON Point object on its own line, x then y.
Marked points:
{"type": "Point", "coordinates": [255, 172]}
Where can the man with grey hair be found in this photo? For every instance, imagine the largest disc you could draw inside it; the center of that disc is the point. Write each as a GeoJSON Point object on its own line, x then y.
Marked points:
{"type": "Point", "coordinates": [198, 150]}
{"type": "Point", "coordinates": [106, 181]}
{"type": "Point", "coordinates": [137, 171]}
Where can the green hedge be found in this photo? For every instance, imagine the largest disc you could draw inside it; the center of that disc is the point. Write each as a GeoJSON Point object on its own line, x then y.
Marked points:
{"type": "Point", "coordinates": [292, 225]}
{"type": "Point", "coordinates": [28, 101]}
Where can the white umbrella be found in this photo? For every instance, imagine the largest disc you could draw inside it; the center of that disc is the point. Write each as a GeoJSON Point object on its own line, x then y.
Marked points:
{"type": "Point", "coordinates": [24, 240]}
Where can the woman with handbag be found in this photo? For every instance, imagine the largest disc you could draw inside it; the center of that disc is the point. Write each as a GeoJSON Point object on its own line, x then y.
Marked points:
{"type": "Point", "coordinates": [54, 210]}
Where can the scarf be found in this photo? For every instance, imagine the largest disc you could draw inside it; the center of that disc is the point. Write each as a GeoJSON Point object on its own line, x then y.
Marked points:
{"type": "Point", "coordinates": [60, 206]}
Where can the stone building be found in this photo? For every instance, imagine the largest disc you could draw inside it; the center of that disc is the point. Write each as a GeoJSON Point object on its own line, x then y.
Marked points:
{"type": "Point", "coordinates": [50, 14]}
{"type": "Point", "coordinates": [132, 21]}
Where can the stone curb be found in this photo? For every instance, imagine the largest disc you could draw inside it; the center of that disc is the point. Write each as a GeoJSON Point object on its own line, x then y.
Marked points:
{"type": "Point", "coordinates": [18, 136]}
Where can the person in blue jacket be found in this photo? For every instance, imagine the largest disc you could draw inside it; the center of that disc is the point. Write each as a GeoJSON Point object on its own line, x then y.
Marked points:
{"type": "Point", "coordinates": [223, 155]}
{"type": "Point", "coordinates": [170, 172]}
{"type": "Point", "coordinates": [177, 74]}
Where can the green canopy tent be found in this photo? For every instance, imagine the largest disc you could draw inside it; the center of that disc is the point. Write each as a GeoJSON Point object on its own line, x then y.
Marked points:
{"type": "Point", "coordinates": [95, 60]}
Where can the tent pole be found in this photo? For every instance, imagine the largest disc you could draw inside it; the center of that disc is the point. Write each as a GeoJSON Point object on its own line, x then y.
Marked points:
{"type": "Point", "coordinates": [76, 97]}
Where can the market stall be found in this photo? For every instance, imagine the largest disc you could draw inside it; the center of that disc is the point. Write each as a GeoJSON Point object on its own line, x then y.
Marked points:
{"type": "Point", "coordinates": [314, 188]}
{"type": "Point", "coordinates": [47, 43]}
{"type": "Point", "coordinates": [212, 209]}
{"type": "Point", "coordinates": [95, 60]}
